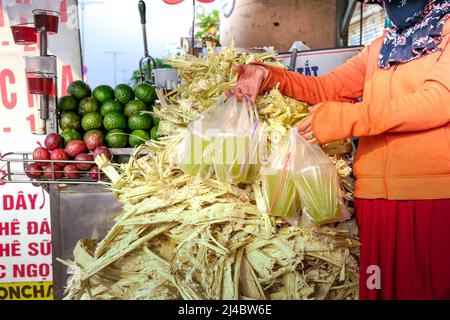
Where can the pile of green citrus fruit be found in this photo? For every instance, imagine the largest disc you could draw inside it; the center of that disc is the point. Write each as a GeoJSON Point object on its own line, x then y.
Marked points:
{"type": "Point", "coordinates": [115, 114]}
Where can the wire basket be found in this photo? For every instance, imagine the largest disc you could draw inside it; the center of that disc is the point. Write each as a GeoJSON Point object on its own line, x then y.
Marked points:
{"type": "Point", "coordinates": [13, 167]}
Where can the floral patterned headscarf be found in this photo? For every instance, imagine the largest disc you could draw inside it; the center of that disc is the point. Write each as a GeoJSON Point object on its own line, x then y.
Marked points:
{"type": "Point", "coordinates": [417, 27]}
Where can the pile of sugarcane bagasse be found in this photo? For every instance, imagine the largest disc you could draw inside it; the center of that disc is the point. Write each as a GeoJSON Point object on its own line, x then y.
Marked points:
{"type": "Point", "coordinates": [180, 238]}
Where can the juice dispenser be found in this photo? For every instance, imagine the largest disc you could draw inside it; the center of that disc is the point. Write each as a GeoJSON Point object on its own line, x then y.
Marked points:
{"type": "Point", "coordinates": [21, 22]}
{"type": "Point", "coordinates": [46, 15]}
{"type": "Point", "coordinates": [27, 21]}
{"type": "Point", "coordinates": [40, 72]}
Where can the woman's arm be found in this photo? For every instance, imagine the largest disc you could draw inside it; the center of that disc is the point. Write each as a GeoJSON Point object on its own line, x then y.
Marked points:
{"type": "Point", "coordinates": [345, 83]}
{"type": "Point", "coordinates": [425, 109]}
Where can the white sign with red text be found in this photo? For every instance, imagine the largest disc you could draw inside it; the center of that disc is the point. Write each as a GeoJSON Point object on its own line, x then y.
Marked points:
{"type": "Point", "coordinates": [319, 62]}
{"type": "Point", "coordinates": [25, 235]}
{"type": "Point", "coordinates": [25, 232]}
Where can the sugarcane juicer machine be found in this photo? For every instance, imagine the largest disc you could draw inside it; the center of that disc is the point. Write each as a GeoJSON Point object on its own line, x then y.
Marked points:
{"type": "Point", "coordinates": [147, 63]}
{"type": "Point", "coordinates": [163, 79]}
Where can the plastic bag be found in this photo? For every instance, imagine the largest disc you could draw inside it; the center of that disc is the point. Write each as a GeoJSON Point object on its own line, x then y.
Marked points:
{"type": "Point", "coordinates": [195, 151]}
{"type": "Point", "coordinates": [234, 134]}
{"type": "Point", "coordinates": [195, 154]}
{"type": "Point", "coordinates": [257, 153]}
{"type": "Point", "coordinates": [278, 186]}
{"type": "Point", "coordinates": [317, 183]}
{"type": "Point", "coordinates": [300, 175]}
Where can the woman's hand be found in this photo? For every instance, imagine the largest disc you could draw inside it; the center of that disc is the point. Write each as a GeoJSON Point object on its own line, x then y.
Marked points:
{"type": "Point", "coordinates": [305, 128]}
{"type": "Point", "coordinates": [250, 79]}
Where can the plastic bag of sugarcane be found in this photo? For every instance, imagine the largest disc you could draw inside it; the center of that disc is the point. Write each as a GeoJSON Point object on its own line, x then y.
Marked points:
{"type": "Point", "coordinates": [196, 150]}
{"type": "Point", "coordinates": [223, 139]}
{"type": "Point", "coordinates": [235, 136]}
{"type": "Point", "coordinates": [301, 176]}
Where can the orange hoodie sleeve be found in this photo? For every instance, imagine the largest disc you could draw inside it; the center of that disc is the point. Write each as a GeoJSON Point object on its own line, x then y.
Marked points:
{"type": "Point", "coordinates": [345, 83]}
{"type": "Point", "coordinates": [425, 109]}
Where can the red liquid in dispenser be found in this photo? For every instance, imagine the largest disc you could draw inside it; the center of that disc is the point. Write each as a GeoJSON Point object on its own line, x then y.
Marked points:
{"type": "Point", "coordinates": [39, 85]}
{"type": "Point", "coordinates": [48, 21]}
{"type": "Point", "coordinates": [24, 34]}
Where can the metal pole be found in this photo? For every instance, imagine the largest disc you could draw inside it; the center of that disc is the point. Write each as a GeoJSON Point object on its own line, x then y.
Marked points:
{"type": "Point", "coordinates": [293, 62]}
{"type": "Point", "coordinates": [115, 68]}
{"type": "Point", "coordinates": [43, 98]}
{"type": "Point", "coordinates": [114, 54]}
{"type": "Point", "coordinates": [55, 220]}
{"type": "Point", "coordinates": [82, 27]}
{"type": "Point", "coordinates": [124, 74]}
{"type": "Point", "coordinates": [344, 22]}
{"type": "Point", "coordinates": [54, 123]}
{"type": "Point", "coordinates": [361, 17]}
{"type": "Point", "coordinates": [193, 28]}
{"type": "Point", "coordinates": [43, 43]}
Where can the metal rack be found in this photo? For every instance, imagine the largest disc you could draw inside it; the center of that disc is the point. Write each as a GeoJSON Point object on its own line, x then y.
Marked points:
{"type": "Point", "coordinates": [13, 170]}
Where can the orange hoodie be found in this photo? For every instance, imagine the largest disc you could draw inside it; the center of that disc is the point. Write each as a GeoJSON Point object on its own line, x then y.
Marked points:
{"type": "Point", "coordinates": [403, 122]}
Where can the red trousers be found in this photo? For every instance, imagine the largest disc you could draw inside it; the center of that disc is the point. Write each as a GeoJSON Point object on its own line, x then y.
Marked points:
{"type": "Point", "coordinates": [405, 249]}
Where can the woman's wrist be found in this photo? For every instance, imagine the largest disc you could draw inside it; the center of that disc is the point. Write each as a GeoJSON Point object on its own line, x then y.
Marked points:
{"type": "Point", "coordinates": [265, 73]}
{"type": "Point", "coordinates": [262, 72]}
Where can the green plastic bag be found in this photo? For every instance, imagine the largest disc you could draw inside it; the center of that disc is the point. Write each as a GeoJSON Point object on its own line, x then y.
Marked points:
{"type": "Point", "coordinates": [194, 155]}
{"type": "Point", "coordinates": [317, 183]}
{"type": "Point", "coordinates": [279, 190]}
{"type": "Point", "coordinates": [234, 134]}
{"type": "Point", "coordinates": [223, 139]}
{"type": "Point", "coordinates": [301, 176]}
